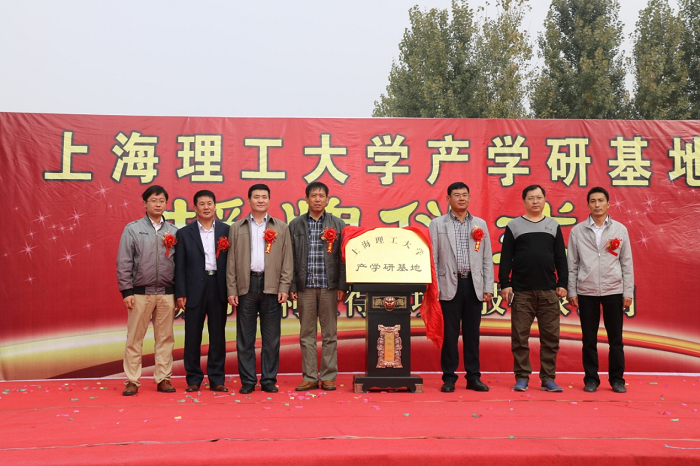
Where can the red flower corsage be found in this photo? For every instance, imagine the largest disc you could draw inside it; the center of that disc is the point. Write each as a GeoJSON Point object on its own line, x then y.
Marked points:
{"type": "Point", "coordinates": [269, 236]}
{"type": "Point", "coordinates": [478, 235]}
{"type": "Point", "coordinates": [169, 241]}
{"type": "Point", "coordinates": [222, 245]}
{"type": "Point", "coordinates": [612, 245]}
{"type": "Point", "coordinates": [329, 235]}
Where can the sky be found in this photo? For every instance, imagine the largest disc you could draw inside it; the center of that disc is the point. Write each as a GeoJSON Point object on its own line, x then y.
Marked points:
{"type": "Point", "coordinates": [254, 58]}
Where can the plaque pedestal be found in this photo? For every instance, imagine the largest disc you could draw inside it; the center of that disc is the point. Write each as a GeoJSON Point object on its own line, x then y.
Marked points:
{"type": "Point", "coordinates": [388, 337]}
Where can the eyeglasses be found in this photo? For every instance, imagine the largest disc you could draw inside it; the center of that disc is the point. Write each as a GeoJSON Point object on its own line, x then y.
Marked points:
{"type": "Point", "coordinates": [460, 196]}
{"type": "Point", "coordinates": [534, 198]}
{"type": "Point", "coordinates": [157, 201]}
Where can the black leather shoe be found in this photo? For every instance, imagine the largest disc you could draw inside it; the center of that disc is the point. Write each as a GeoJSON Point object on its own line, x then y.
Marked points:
{"type": "Point", "coordinates": [192, 388]}
{"type": "Point", "coordinates": [477, 385]}
{"type": "Point", "coordinates": [590, 387]}
{"type": "Point", "coordinates": [218, 388]}
{"type": "Point", "coordinates": [448, 387]}
{"type": "Point", "coordinates": [270, 388]}
{"type": "Point", "coordinates": [619, 388]}
{"type": "Point", "coordinates": [246, 388]}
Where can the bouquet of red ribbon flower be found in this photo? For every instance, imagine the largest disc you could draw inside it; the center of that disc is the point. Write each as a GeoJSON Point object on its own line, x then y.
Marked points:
{"type": "Point", "coordinates": [329, 235]}
{"type": "Point", "coordinates": [269, 236]}
{"type": "Point", "coordinates": [222, 245]}
{"type": "Point", "coordinates": [169, 241]}
{"type": "Point", "coordinates": [478, 235]}
{"type": "Point", "coordinates": [612, 245]}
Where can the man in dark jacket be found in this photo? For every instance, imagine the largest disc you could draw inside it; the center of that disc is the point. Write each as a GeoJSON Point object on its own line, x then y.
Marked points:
{"type": "Point", "coordinates": [318, 285]}
{"type": "Point", "coordinates": [200, 290]}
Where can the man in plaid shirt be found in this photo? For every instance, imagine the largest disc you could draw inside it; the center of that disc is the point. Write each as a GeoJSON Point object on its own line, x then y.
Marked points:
{"type": "Point", "coordinates": [318, 285]}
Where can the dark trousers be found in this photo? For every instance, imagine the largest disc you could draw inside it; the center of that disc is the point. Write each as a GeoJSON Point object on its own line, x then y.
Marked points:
{"type": "Point", "coordinates": [212, 308]}
{"type": "Point", "coordinates": [250, 305]}
{"type": "Point", "coordinates": [464, 310]}
{"type": "Point", "coordinates": [589, 313]}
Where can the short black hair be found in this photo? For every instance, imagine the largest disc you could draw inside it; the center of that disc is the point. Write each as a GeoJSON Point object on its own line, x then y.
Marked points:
{"type": "Point", "coordinates": [597, 189]}
{"type": "Point", "coordinates": [316, 185]}
{"type": "Point", "coordinates": [259, 186]}
{"type": "Point", "coordinates": [456, 185]}
{"type": "Point", "coordinates": [532, 187]}
{"type": "Point", "coordinates": [154, 189]}
{"type": "Point", "coordinates": [204, 193]}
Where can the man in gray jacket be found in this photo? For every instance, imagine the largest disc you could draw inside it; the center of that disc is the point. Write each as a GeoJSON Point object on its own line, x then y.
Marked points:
{"type": "Point", "coordinates": [464, 265]}
{"type": "Point", "coordinates": [601, 274]}
{"type": "Point", "coordinates": [318, 285]}
{"type": "Point", "coordinates": [145, 271]}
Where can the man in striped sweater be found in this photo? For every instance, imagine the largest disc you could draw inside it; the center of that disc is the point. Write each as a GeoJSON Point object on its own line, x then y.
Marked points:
{"type": "Point", "coordinates": [533, 249]}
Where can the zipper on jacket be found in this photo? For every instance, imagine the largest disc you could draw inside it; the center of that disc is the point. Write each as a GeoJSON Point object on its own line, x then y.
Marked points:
{"type": "Point", "coordinates": [157, 259]}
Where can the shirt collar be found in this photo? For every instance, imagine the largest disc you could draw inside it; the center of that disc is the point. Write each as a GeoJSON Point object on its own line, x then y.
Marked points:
{"type": "Point", "coordinates": [454, 217]}
{"type": "Point", "coordinates": [592, 224]}
{"type": "Point", "coordinates": [201, 227]}
{"type": "Point", "coordinates": [252, 220]}
{"type": "Point", "coordinates": [155, 225]}
{"type": "Point", "coordinates": [320, 219]}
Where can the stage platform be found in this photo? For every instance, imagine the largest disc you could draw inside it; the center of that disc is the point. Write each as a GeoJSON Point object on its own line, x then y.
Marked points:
{"type": "Point", "coordinates": [89, 422]}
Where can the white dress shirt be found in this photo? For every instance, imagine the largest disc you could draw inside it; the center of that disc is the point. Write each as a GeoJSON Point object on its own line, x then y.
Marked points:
{"type": "Point", "coordinates": [257, 244]}
{"type": "Point", "coordinates": [209, 244]}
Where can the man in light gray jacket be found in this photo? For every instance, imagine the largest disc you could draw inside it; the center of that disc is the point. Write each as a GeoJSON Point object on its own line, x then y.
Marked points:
{"type": "Point", "coordinates": [601, 274]}
{"type": "Point", "coordinates": [145, 271]}
{"type": "Point", "coordinates": [464, 265]}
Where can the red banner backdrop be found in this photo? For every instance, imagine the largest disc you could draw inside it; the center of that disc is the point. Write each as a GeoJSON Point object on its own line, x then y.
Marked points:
{"type": "Point", "coordinates": [70, 183]}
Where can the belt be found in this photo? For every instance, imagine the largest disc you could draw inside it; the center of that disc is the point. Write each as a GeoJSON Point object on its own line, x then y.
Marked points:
{"type": "Point", "coordinates": [464, 275]}
{"type": "Point", "coordinates": [210, 272]}
{"type": "Point", "coordinates": [257, 274]}
{"type": "Point", "coordinates": [142, 290]}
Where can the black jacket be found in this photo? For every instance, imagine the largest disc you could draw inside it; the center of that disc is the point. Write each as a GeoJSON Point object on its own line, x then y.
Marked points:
{"type": "Point", "coordinates": [335, 267]}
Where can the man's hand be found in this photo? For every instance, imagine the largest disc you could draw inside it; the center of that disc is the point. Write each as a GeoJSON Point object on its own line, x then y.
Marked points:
{"type": "Point", "coordinates": [342, 294]}
{"type": "Point", "coordinates": [281, 298]}
{"type": "Point", "coordinates": [293, 295]}
{"type": "Point", "coordinates": [129, 302]}
{"type": "Point", "coordinates": [561, 292]}
{"type": "Point", "coordinates": [233, 300]}
{"type": "Point", "coordinates": [487, 297]}
{"type": "Point", "coordinates": [573, 301]}
{"type": "Point", "coordinates": [180, 304]}
{"type": "Point", "coordinates": [507, 295]}
{"type": "Point", "coordinates": [626, 302]}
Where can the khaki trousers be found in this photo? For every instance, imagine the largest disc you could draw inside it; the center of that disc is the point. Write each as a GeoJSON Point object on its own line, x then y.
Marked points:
{"type": "Point", "coordinates": [319, 304]}
{"type": "Point", "coordinates": [528, 305]}
{"type": "Point", "coordinates": [159, 308]}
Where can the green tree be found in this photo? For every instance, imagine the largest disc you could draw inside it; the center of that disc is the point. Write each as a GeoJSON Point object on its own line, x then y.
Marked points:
{"type": "Point", "coordinates": [460, 68]}
{"type": "Point", "coordinates": [661, 72]}
{"type": "Point", "coordinates": [434, 77]}
{"type": "Point", "coordinates": [503, 53]}
{"type": "Point", "coordinates": [690, 14]}
{"type": "Point", "coordinates": [583, 75]}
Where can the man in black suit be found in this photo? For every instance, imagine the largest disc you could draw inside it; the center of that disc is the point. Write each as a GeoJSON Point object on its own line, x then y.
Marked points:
{"type": "Point", "coordinates": [200, 290]}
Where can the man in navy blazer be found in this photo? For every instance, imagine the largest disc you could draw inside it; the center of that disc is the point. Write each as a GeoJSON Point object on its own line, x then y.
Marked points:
{"type": "Point", "coordinates": [464, 265]}
{"type": "Point", "coordinates": [200, 290]}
